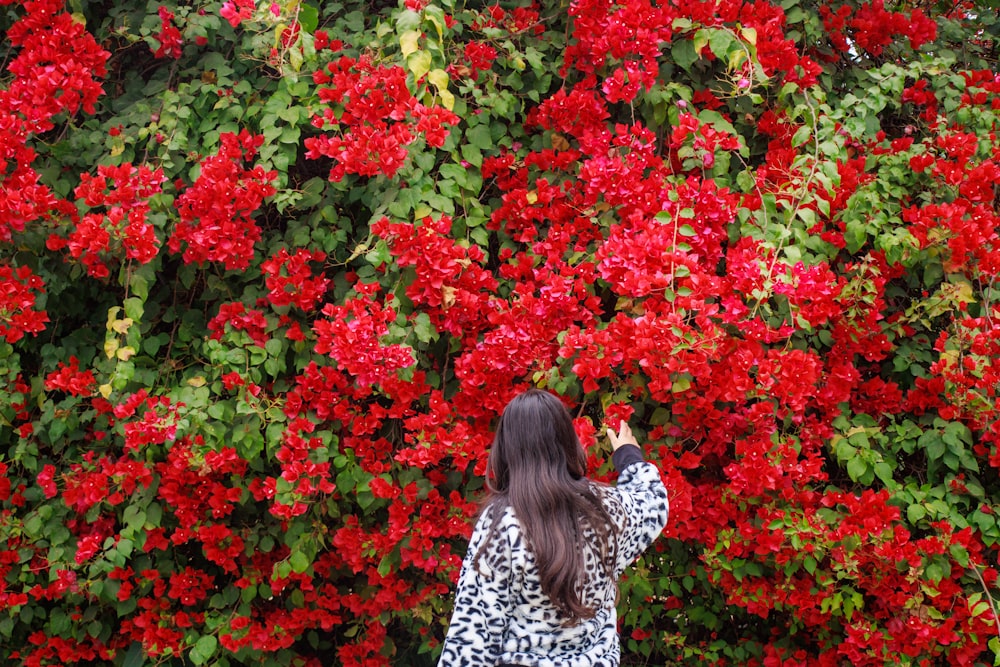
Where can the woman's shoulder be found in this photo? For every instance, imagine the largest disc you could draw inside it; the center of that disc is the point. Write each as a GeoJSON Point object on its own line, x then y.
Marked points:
{"type": "Point", "coordinates": [501, 541]}
{"type": "Point", "coordinates": [498, 518]}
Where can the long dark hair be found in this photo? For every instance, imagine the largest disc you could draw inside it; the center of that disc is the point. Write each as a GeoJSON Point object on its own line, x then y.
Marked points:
{"type": "Point", "coordinates": [538, 467]}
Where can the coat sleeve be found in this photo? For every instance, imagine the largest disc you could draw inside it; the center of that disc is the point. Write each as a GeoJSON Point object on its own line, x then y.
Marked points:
{"type": "Point", "coordinates": [482, 600]}
{"type": "Point", "coordinates": [643, 498]}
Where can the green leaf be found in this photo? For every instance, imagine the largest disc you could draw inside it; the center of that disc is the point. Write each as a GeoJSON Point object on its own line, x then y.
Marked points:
{"type": "Point", "coordinates": [135, 656]}
{"type": "Point", "coordinates": [856, 468]}
{"type": "Point", "coordinates": [134, 308]}
{"type": "Point", "coordinates": [423, 328]}
{"type": "Point", "coordinates": [379, 255]}
{"type": "Point", "coordinates": [407, 20]}
{"type": "Point", "coordinates": [933, 444]}
{"type": "Point", "coordinates": [934, 571]}
{"type": "Point", "coordinates": [308, 17]}
{"type": "Point", "coordinates": [719, 40]}
{"type": "Point", "coordinates": [683, 53]}
{"type": "Point", "coordinates": [299, 561]}
{"type": "Point", "coordinates": [203, 649]}
{"type": "Point", "coordinates": [385, 565]}
{"type": "Point", "coordinates": [700, 40]}
{"type": "Point", "coordinates": [480, 137]}
{"type": "Point", "coordinates": [801, 135]}
{"type": "Point", "coordinates": [884, 472]}
{"type": "Point", "coordinates": [680, 384]}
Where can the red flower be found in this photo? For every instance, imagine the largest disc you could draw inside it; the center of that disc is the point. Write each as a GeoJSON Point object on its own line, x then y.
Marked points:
{"type": "Point", "coordinates": [169, 36]}
{"type": "Point", "coordinates": [189, 586]}
{"type": "Point", "coordinates": [290, 280]}
{"type": "Point", "coordinates": [237, 11]}
{"type": "Point", "coordinates": [215, 212]}
{"type": "Point", "coordinates": [70, 379]}
{"type": "Point", "coordinates": [18, 315]}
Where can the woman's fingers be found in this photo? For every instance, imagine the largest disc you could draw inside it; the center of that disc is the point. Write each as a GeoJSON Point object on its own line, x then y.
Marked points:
{"type": "Point", "coordinates": [623, 437]}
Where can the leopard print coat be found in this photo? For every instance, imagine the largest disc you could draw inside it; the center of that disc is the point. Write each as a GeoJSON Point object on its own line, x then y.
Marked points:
{"type": "Point", "coordinates": [502, 616]}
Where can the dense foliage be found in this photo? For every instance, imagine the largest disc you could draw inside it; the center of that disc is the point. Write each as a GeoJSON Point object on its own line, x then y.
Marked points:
{"type": "Point", "coordinates": [269, 270]}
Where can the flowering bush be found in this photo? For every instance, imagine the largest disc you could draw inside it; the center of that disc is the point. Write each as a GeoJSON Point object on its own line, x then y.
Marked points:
{"type": "Point", "coordinates": [268, 272]}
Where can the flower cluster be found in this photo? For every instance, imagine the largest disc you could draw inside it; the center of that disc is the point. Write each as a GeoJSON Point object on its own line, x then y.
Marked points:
{"type": "Point", "coordinates": [873, 27]}
{"type": "Point", "coordinates": [379, 117]}
{"type": "Point", "coordinates": [305, 471]}
{"type": "Point", "coordinates": [237, 317]}
{"type": "Point", "coordinates": [169, 37]}
{"type": "Point", "coordinates": [237, 11]}
{"type": "Point", "coordinates": [216, 223]}
{"type": "Point", "coordinates": [450, 282]}
{"type": "Point", "coordinates": [58, 70]}
{"type": "Point", "coordinates": [69, 378]}
{"type": "Point", "coordinates": [19, 290]}
{"type": "Point", "coordinates": [290, 281]}
{"type": "Point", "coordinates": [352, 335]}
{"type": "Point", "coordinates": [120, 226]}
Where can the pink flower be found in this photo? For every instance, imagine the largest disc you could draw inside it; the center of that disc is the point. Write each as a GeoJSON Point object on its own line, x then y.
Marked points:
{"type": "Point", "coordinates": [237, 11]}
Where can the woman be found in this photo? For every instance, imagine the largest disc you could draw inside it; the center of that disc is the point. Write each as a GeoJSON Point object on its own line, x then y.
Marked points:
{"type": "Point", "coordinates": [540, 580]}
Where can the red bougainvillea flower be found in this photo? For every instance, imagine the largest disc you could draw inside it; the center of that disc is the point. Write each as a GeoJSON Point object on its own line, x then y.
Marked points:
{"type": "Point", "coordinates": [216, 223]}
{"type": "Point", "coordinates": [117, 223]}
{"type": "Point", "coordinates": [71, 379]}
{"type": "Point", "coordinates": [379, 118]}
{"type": "Point", "coordinates": [19, 289]}
{"type": "Point", "coordinates": [290, 281]}
{"type": "Point", "coordinates": [169, 37]}
{"type": "Point", "coordinates": [237, 11]}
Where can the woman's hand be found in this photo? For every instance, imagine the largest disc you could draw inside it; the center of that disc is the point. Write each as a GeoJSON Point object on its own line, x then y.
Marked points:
{"type": "Point", "coordinates": [623, 437]}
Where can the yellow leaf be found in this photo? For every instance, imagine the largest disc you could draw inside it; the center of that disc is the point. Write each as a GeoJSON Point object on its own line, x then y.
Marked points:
{"type": "Point", "coordinates": [419, 63]}
{"type": "Point", "coordinates": [950, 357]}
{"type": "Point", "coordinates": [278, 29]}
{"type": "Point", "coordinates": [110, 347]}
{"type": "Point", "coordinates": [439, 78]}
{"type": "Point", "coordinates": [125, 353]}
{"type": "Point", "coordinates": [447, 99]}
{"type": "Point", "coordinates": [532, 197]}
{"type": "Point", "coordinates": [197, 381]}
{"type": "Point", "coordinates": [105, 390]}
{"type": "Point", "coordinates": [700, 40]}
{"type": "Point", "coordinates": [736, 58]}
{"type": "Point", "coordinates": [122, 326]}
{"type": "Point", "coordinates": [750, 34]}
{"type": "Point", "coordinates": [113, 315]}
{"type": "Point", "coordinates": [408, 42]}
{"type": "Point", "coordinates": [421, 211]}
{"type": "Point", "coordinates": [295, 58]}
{"type": "Point", "coordinates": [437, 24]}
{"type": "Point", "coordinates": [680, 384]}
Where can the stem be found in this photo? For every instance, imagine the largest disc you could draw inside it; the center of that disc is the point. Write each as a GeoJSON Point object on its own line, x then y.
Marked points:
{"type": "Point", "coordinates": [989, 598]}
